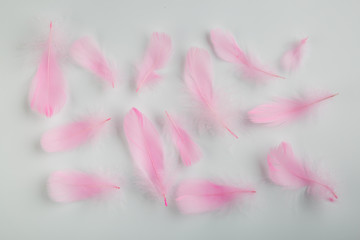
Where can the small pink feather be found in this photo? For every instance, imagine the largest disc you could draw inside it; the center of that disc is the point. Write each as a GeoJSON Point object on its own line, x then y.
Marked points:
{"type": "Point", "coordinates": [292, 58]}
{"type": "Point", "coordinates": [72, 135]}
{"type": "Point", "coordinates": [88, 55]}
{"type": "Point", "coordinates": [226, 48]}
{"type": "Point", "coordinates": [188, 149]}
{"type": "Point", "coordinates": [285, 169]}
{"type": "Point", "coordinates": [72, 186]}
{"type": "Point", "coordinates": [198, 79]}
{"type": "Point", "coordinates": [285, 110]}
{"type": "Point", "coordinates": [47, 94]}
{"type": "Point", "coordinates": [198, 196]}
{"type": "Point", "coordinates": [157, 55]}
{"type": "Point", "coordinates": [146, 149]}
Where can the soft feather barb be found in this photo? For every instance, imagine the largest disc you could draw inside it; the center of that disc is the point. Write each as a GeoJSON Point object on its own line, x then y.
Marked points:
{"type": "Point", "coordinates": [293, 57]}
{"type": "Point", "coordinates": [72, 186]}
{"type": "Point", "coordinates": [285, 110]}
{"type": "Point", "coordinates": [146, 149]}
{"type": "Point", "coordinates": [188, 149]}
{"type": "Point", "coordinates": [198, 196]}
{"type": "Point", "coordinates": [157, 55]}
{"type": "Point", "coordinates": [71, 135]}
{"type": "Point", "coordinates": [198, 79]}
{"type": "Point", "coordinates": [226, 48]}
{"type": "Point", "coordinates": [47, 94]}
{"type": "Point", "coordinates": [88, 55]}
{"type": "Point", "coordinates": [285, 169]}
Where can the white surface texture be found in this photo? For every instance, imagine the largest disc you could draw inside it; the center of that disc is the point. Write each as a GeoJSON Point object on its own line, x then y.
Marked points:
{"type": "Point", "coordinates": [329, 138]}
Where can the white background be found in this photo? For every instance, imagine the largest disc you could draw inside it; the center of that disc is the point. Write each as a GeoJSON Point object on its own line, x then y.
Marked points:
{"type": "Point", "coordinates": [328, 139]}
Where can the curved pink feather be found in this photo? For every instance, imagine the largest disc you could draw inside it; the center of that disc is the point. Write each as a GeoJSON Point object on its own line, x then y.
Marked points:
{"type": "Point", "coordinates": [88, 55]}
{"type": "Point", "coordinates": [292, 58]}
{"type": "Point", "coordinates": [72, 186]}
{"type": "Point", "coordinates": [157, 55]}
{"type": "Point", "coordinates": [188, 149]}
{"type": "Point", "coordinates": [47, 94]}
{"type": "Point", "coordinates": [198, 79]}
{"type": "Point", "coordinates": [71, 135]}
{"type": "Point", "coordinates": [285, 109]}
{"type": "Point", "coordinates": [226, 48]}
{"type": "Point", "coordinates": [198, 196]}
{"type": "Point", "coordinates": [146, 149]}
{"type": "Point", "coordinates": [285, 169]}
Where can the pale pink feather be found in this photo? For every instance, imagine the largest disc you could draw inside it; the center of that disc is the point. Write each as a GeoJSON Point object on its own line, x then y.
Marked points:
{"type": "Point", "coordinates": [157, 55]}
{"type": "Point", "coordinates": [146, 149]}
{"type": "Point", "coordinates": [198, 196]}
{"type": "Point", "coordinates": [285, 169]}
{"type": "Point", "coordinates": [87, 54]}
{"type": "Point", "coordinates": [226, 48]}
{"type": "Point", "coordinates": [292, 58]}
{"type": "Point", "coordinates": [47, 94]}
{"type": "Point", "coordinates": [199, 81]}
{"type": "Point", "coordinates": [285, 110]}
{"type": "Point", "coordinates": [72, 186]}
{"type": "Point", "coordinates": [188, 149]}
{"type": "Point", "coordinates": [71, 135]}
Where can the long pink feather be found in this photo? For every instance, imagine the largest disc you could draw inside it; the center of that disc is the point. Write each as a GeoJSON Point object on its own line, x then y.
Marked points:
{"type": "Point", "coordinates": [285, 169]}
{"type": "Point", "coordinates": [87, 54]}
{"type": "Point", "coordinates": [47, 94]}
{"type": "Point", "coordinates": [198, 78]}
{"type": "Point", "coordinates": [198, 196]}
{"type": "Point", "coordinates": [72, 135]}
{"type": "Point", "coordinates": [188, 149]}
{"type": "Point", "coordinates": [226, 48]}
{"type": "Point", "coordinates": [72, 186]}
{"type": "Point", "coordinates": [285, 110]}
{"type": "Point", "coordinates": [292, 58]}
{"type": "Point", "coordinates": [157, 55]}
{"type": "Point", "coordinates": [146, 149]}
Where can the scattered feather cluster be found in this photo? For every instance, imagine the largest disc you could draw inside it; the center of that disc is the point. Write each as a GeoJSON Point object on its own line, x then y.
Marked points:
{"type": "Point", "coordinates": [48, 96]}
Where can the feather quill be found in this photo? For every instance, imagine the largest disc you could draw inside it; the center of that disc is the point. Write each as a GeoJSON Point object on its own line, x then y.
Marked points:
{"type": "Point", "coordinates": [47, 94]}
{"type": "Point", "coordinates": [146, 149]}
{"type": "Point", "coordinates": [198, 79]}
{"type": "Point", "coordinates": [198, 196]}
{"type": "Point", "coordinates": [292, 58]}
{"type": "Point", "coordinates": [157, 55]}
{"type": "Point", "coordinates": [72, 186]}
{"type": "Point", "coordinates": [71, 135]}
{"type": "Point", "coordinates": [285, 169]}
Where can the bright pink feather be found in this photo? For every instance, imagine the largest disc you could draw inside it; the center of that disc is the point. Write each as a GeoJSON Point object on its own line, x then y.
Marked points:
{"type": "Point", "coordinates": [72, 135]}
{"type": "Point", "coordinates": [188, 149]}
{"type": "Point", "coordinates": [199, 81]}
{"type": "Point", "coordinates": [226, 48]}
{"type": "Point", "coordinates": [146, 149]}
{"type": "Point", "coordinates": [285, 110]}
{"type": "Point", "coordinates": [87, 54]}
{"type": "Point", "coordinates": [47, 94]}
{"type": "Point", "coordinates": [72, 186]}
{"type": "Point", "coordinates": [285, 169]}
{"type": "Point", "coordinates": [292, 58]}
{"type": "Point", "coordinates": [157, 55]}
{"type": "Point", "coordinates": [198, 196]}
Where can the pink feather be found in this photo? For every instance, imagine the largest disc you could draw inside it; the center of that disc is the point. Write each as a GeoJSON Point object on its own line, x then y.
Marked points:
{"type": "Point", "coordinates": [72, 135]}
{"type": "Point", "coordinates": [198, 196]}
{"type": "Point", "coordinates": [226, 48]}
{"type": "Point", "coordinates": [146, 149]}
{"type": "Point", "coordinates": [285, 109]}
{"type": "Point", "coordinates": [157, 55]}
{"type": "Point", "coordinates": [292, 58]}
{"type": "Point", "coordinates": [198, 78]}
{"type": "Point", "coordinates": [188, 149]}
{"type": "Point", "coordinates": [87, 54]}
{"type": "Point", "coordinates": [72, 186]}
{"type": "Point", "coordinates": [285, 169]}
{"type": "Point", "coordinates": [47, 94]}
